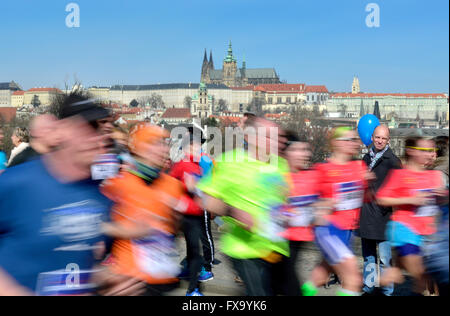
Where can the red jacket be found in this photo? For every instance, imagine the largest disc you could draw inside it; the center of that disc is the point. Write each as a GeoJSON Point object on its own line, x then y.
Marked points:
{"type": "Point", "coordinates": [178, 171]}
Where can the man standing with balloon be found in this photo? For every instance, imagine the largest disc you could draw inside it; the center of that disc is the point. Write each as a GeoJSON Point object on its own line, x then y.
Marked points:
{"type": "Point", "coordinates": [373, 219]}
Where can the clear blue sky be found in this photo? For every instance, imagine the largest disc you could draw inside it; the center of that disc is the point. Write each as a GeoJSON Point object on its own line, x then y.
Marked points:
{"type": "Point", "coordinates": [143, 42]}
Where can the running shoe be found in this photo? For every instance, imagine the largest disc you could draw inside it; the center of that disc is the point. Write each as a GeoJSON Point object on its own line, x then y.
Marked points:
{"type": "Point", "coordinates": [205, 275]}
{"type": "Point", "coordinates": [195, 292]}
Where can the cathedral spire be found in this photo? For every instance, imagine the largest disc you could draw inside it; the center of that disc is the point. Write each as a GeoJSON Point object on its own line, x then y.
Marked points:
{"type": "Point", "coordinates": [230, 57]}
{"type": "Point", "coordinates": [205, 58]}
{"type": "Point", "coordinates": [211, 63]}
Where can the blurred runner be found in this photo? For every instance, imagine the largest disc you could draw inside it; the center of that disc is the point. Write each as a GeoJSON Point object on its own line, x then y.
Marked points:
{"type": "Point", "coordinates": [304, 193]}
{"type": "Point", "coordinates": [188, 170]}
{"type": "Point", "coordinates": [436, 250]}
{"type": "Point", "coordinates": [413, 192]}
{"type": "Point", "coordinates": [51, 213]}
{"type": "Point", "coordinates": [342, 180]}
{"type": "Point", "coordinates": [144, 220]}
{"type": "Point", "coordinates": [42, 139]}
{"type": "Point", "coordinates": [106, 165]}
{"type": "Point", "coordinates": [250, 195]}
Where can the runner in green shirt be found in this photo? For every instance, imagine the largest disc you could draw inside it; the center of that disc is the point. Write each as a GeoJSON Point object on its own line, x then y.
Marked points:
{"type": "Point", "coordinates": [250, 194]}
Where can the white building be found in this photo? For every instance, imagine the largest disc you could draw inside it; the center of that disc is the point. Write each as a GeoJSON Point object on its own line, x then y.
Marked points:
{"type": "Point", "coordinates": [6, 91]}
{"type": "Point", "coordinates": [427, 106]}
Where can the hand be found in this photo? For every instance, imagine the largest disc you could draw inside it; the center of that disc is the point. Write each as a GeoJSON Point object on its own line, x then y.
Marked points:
{"type": "Point", "coordinates": [369, 176]}
{"type": "Point", "coordinates": [421, 198]}
{"type": "Point", "coordinates": [440, 192]}
{"type": "Point", "coordinates": [243, 217]}
{"type": "Point", "coordinates": [190, 182]}
{"type": "Point", "coordinates": [111, 284]}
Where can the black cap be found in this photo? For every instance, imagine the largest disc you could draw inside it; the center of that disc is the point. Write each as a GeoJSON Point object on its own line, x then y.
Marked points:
{"type": "Point", "coordinates": [86, 108]}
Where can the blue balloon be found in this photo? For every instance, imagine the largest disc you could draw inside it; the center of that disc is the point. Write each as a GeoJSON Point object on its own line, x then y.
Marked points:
{"type": "Point", "coordinates": [366, 126]}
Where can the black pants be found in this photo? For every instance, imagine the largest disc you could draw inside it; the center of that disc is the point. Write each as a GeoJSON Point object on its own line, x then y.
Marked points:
{"type": "Point", "coordinates": [192, 227]}
{"type": "Point", "coordinates": [285, 279]}
{"type": "Point", "coordinates": [256, 275]}
{"type": "Point", "coordinates": [207, 242]}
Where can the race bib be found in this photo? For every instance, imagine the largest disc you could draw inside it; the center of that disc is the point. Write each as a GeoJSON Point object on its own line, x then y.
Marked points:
{"type": "Point", "coordinates": [349, 195]}
{"type": "Point", "coordinates": [274, 225]}
{"type": "Point", "coordinates": [303, 213]}
{"type": "Point", "coordinates": [156, 255]}
{"type": "Point", "coordinates": [69, 282]}
{"type": "Point", "coordinates": [105, 166]}
{"type": "Point", "coordinates": [427, 210]}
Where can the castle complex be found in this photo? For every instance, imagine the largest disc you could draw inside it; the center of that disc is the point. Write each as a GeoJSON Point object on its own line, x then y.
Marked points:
{"type": "Point", "coordinates": [233, 76]}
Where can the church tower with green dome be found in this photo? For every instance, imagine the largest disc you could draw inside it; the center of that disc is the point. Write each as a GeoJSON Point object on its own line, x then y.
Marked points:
{"type": "Point", "coordinates": [229, 69]}
{"type": "Point", "coordinates": [233, 76]}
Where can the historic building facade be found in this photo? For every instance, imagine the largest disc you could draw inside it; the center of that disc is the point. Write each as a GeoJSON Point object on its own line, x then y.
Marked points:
{"type": "Point", "coordinates": [202, 103]}
{"type": "Point", "coordinates": [233, 76]}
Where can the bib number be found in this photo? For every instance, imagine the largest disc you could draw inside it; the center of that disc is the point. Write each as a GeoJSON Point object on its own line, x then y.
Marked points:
{"type": "Point", "coordinates": [156, 255]}
{"type": "Point", "coordinates": [67, 282]}
{"type": "Point", "coordinates": [303, 213]}
{"type": "Point", "coordinates": [427, 210]}
{"type": "Point", "coordinates": [350, 195]}
{"type": "Point", "coordinates": [274, 225]}
{"type": "Point", "coordinates": [106, 166]}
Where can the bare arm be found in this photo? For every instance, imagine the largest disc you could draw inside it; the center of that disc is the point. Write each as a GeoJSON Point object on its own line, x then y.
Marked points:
{"type": "Point", "coordinates": [418, 200]}
{"type": "Point", "coordinates": [215, 206]}
{"type": "Point", "coordinates": [116, 230]}
{"type": "Point", "coordinates": [220, 208]}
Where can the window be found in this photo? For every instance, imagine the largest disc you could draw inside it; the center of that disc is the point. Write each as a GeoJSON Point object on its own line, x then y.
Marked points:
{"type": "Point", "coordinates": [307, 98]}
{"type": "Point", "coordinates": [288, 100]}
{"type": "Point", "coordinates": [270, 100]}
{"type": "Point", "coordinates": [279, 100]}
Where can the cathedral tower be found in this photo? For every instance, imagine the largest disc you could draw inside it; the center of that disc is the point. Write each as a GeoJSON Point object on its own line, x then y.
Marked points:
{"type": "Point", "coordinates": [355, 85]}
{"type": "Point", "coordinates": [229, 68]}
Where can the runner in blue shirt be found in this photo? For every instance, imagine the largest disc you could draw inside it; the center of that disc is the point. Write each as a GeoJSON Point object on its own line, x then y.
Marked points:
{"type": "Point", "coordinates": [51, 213]}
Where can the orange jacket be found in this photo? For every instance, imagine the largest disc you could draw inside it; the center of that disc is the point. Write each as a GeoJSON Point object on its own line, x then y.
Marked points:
{"type": "Point", "coordinates": [135, 201]}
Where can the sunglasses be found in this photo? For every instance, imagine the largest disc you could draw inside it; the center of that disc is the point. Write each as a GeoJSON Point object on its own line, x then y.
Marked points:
{"type": "Point", "coordinates": [348, 139]}
{"type": "Point", "coordinates": [422, 149]}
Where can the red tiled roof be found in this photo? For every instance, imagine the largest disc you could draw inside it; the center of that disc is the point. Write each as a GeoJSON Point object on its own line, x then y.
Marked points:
{"type": "Point", "coordinates": [374, 95]}
{"type": "Point", "coordinates": [317, 89]}
{"type": "Point", "coordinates": [177, 113]}
{"type": "Point", "coordinates": [282, 87]}
{"type": "Point", "coordinates": [231, 119]}
{"type": "Point", "coordinates": [19, 92]}
{"type": "Point", "coordinates": [8, 113]}
{"type": "Point", "coordinates": [44, 90]}
{"type": "Point", "coordinates": [275, 115]}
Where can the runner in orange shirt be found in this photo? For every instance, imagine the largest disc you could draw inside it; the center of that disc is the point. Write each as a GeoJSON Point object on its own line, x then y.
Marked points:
{"type": "Point", "coordinates": [144, 220]}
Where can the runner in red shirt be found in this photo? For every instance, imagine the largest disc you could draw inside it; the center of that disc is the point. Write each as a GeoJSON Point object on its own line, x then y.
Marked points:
{"type": "Point", "coordinates": [413, 192]}
{"type": "Point", "coordinates": [343, 182]}
{"type": "Point", "coordinates": [304, 193]}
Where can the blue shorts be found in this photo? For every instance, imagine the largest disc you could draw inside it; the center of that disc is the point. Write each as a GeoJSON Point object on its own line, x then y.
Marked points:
{"type": "Point", "coordinates": [334, 243]}
{"type": "Point", "coordinates": [405, 241]}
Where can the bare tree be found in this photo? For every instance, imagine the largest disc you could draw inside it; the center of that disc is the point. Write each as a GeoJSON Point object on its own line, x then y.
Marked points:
{"type": "Point", "coordinates": [256, 105]}
{"type": "Point", "coordinates": [222, 105]}
{"type": "Point", "coordinates": [187, 102]}
{"type": "Point", "coordinates": [156, 101]}
{"type": "Point", "coordinates": [343, 109]}
{"type": "Point", "coordinates": [309, 124]}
